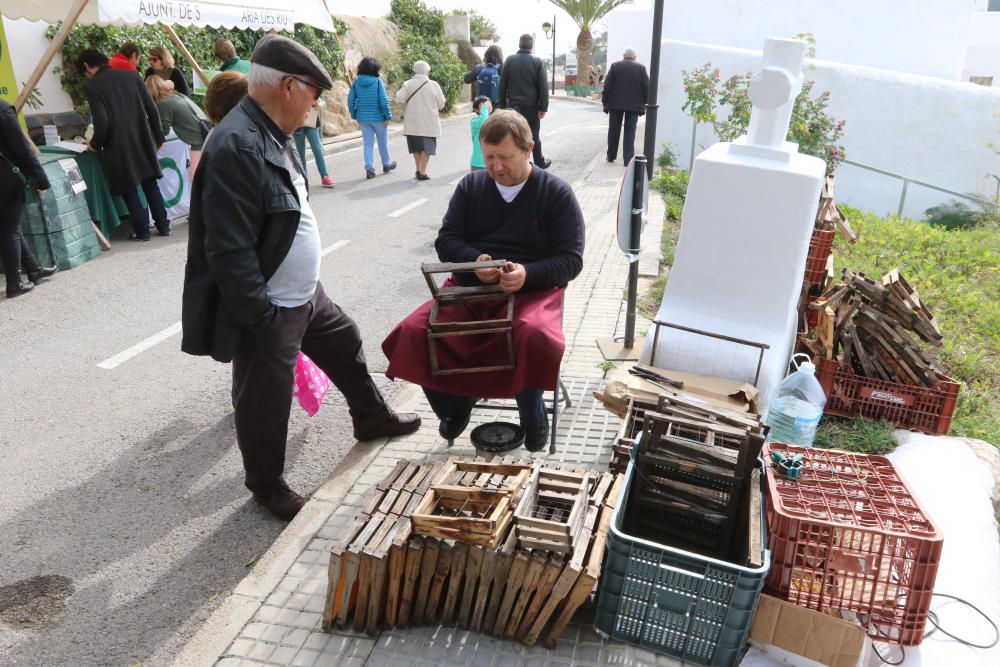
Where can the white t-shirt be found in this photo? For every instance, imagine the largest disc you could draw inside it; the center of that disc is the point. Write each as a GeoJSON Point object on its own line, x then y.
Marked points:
{"type": "Point", "coordinates": [294, 283]}
{"type": "Point", "coordinates": [508, 192]}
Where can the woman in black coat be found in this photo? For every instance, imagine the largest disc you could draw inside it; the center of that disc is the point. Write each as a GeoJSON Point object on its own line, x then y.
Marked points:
{"type": "Point", "coordinates": [161, 64]}
{"type": "Point", "coordinates": [17, 155]}
{"type": "Point", "coordinates": [127, 134]}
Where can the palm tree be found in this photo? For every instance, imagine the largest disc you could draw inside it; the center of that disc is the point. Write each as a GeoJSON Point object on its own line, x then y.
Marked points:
{"type": "Point", "coordinates": [585, 13]}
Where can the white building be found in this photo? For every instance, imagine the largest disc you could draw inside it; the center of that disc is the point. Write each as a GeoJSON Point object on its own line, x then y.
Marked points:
{"type": "Point", "coordinates": [898, 74]}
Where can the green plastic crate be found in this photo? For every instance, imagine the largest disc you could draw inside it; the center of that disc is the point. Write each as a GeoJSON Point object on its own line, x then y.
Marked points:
{"type": "Point", "coordinates": [676, 602]}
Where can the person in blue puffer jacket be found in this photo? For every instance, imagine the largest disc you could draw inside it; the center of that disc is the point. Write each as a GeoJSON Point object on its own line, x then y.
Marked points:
{"type": "Point", "coordinates": [368, 103]}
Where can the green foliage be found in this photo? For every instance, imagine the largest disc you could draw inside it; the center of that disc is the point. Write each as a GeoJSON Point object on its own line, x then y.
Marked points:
{"type": "Point", "coordinates": [957, 273]}
{"type": "Point", "coordinates": [953, 215]}
{"type": "Point", "coordinates": [199, 41]}
{"type": "Point", "coordinates": [479, 25]}
{"type": "Point", "coordinates": [421, 37]}
{"type": "Point", "coordinates": [855, 435]}
{"type": "Point", "coordinates": [673, 186]}
{"type": "Point", "coordinates": [815, 131]}
{"type": "Point", "coordinates": [668, 156]}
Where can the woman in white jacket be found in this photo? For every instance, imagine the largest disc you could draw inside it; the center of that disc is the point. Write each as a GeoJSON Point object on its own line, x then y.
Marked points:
{"type": "Point", "coordinates": [421, 100]}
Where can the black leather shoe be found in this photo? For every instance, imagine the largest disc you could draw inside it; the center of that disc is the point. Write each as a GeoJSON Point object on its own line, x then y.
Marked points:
{"type": "Point", "coordinates": [422, 176]}
{"type": "Point", "coordinates": [387, 425]}
{"type": "Point", "coordinates": [369, 174]}
{"type": "Point", "coordinates": [280, 501]}
{"type": "Point", "coordinates": [386, 168]}
{"type": "Point", "coordinates": [536, 436]}
{"type": "Point", "coordinates": [18, 288]}
{"type": "Point", "coordinates": [544, 164]}
{"type": "Point", "coordinates": [42, 272]}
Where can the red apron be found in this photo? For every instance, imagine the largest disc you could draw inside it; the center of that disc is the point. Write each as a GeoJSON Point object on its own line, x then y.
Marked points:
{"type": "Point", "coordinates": [538, 347]}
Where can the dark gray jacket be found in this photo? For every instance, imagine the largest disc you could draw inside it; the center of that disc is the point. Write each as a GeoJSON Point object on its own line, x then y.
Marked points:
{"type": "Point", "coordinates": [626, 87]}
{"type": "Point", "coordinates": [523, 82]}
{"type": "Point", "coordinates": [14, 146]}
{"type": "Point", "coordinates": [127, 128]}
{"type": "Point", "coordinates": [244, 214]}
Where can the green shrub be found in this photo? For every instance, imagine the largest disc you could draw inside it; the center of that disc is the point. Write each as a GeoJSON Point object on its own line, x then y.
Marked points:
{"type": "Point", "coordinates": [199, 41]}
{"type": "Point", "coordinates": [668, 157]}
{"type": "Point", "coordinates": [421, 37]}
{"type": "Point", "coordinates": [673, 186]}
{"type": "Point", "coordinates": [953, 215]}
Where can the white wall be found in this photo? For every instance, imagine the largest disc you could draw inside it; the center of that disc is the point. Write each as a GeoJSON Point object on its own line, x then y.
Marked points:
{"type": "Point", "coordinates": [630, 27]}
{"type": "Point", "coordinates": [926, 37]}
{"type": "Point", "coordinates": [983, 55]}
{"type": "Point", "coordinates": [27, 42]}
{"type": "Point", "coordinates": [923, 128]}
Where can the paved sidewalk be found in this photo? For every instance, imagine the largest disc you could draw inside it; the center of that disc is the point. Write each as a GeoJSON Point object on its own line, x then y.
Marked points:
{"type": "Point", "coordinates": [273, 617]}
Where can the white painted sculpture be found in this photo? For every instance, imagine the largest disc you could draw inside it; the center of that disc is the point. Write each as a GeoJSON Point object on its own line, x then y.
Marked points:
{"type": "Point", "coordinates": [745, 232]}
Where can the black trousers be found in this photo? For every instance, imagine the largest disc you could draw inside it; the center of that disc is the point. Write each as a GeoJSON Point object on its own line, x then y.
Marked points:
{"type": "Point", "coordinates": [138, 214]}
{"type": "Point", "coordinates": [14, 252]}
{"type": "Point", "coordinates": [264, 372]}
{"type": "Point", "coordinates": [615, 118]}
{"type": "Point", "coordinates": [534, 122]}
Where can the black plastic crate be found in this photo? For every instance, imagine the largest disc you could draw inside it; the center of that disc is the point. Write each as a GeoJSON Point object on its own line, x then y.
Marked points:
{"type": "Point", "coordinates": [676, 602]}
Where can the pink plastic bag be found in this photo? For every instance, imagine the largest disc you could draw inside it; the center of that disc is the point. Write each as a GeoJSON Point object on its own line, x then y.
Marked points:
{"type": "Point", "coordinates": [310, 385]}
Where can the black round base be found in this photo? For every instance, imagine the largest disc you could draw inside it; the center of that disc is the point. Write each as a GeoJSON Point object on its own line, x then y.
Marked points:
{"type": "Point", "coordinates": [497, 437]}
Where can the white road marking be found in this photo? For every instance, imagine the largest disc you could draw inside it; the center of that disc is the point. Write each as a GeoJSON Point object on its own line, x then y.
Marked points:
{"type": "Point", "coordinates": [406, 209]}
{"type": "Point", "coordinates": [140, 347]}
{"type": "Point", "coordinates": [339, 244]}
{"type": "Point", "coordinates": [174, 329]}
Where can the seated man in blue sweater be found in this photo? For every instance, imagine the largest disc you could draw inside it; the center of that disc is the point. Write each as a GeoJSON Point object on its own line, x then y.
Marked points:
{"type": "Point", "coordinates": [531, 218]}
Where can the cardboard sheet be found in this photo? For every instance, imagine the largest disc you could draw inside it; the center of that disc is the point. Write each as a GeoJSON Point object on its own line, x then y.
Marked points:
{"type": "Point", "coordinates": [825, 639]}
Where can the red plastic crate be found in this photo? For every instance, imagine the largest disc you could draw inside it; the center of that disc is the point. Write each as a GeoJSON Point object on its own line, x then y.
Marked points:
{"type": "Point", "coordinates": [848, 534]}
{"type": "Point", "coordinates": [820, 247]}
{"type": "Point", "coordinates": [926, 409]}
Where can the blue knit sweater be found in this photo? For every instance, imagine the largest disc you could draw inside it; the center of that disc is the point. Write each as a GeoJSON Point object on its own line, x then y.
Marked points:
{"type": "Point", "coordinates": [368, 100]}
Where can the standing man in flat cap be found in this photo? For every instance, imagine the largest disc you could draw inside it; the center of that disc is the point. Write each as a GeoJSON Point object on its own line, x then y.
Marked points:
{"type": "Point", "coordinates": [251, 286]}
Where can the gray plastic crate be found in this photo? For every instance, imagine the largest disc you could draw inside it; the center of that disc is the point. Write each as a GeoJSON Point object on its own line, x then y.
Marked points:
{"type": "Point", "coordinates": [676, 602]}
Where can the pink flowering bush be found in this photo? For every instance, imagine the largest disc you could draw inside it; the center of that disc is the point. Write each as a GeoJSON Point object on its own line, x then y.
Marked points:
{"type": "Point", "coordinates": [815, 131]}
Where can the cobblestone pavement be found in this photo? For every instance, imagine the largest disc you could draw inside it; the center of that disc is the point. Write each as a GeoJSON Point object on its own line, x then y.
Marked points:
{"type": "Point", "coordinates": [283, 626]}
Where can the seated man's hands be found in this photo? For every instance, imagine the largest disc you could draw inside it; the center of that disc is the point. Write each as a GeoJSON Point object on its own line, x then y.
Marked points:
{"type": "Point", "coordinates": [487, 275]}
{"type": "Point", "coordinates": [513, 280]}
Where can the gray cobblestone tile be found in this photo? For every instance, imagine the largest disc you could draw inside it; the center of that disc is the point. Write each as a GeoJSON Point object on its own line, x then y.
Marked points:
{"type": "Point", "coordinates": [261, 651]}
{"type": "Point", "coordinates": [241, 647]}
{"type": "Point", "coordinates": [266, 614]}
{"type": "Point", "coordinates": [254, 630]}
{"type": "Point", "coordinates": [283, 655]}
{"type": "Point", "coordinates": [278, 599]}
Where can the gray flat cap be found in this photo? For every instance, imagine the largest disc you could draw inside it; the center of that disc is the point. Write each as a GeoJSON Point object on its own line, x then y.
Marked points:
{"type": "Point", "coordinates": [287, 55]}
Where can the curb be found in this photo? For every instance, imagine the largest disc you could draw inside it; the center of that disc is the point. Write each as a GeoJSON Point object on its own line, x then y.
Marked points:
{"type": "Point", "coordinates": [578, 100]}
{"type": "Point", "coordinates": [226, 622]}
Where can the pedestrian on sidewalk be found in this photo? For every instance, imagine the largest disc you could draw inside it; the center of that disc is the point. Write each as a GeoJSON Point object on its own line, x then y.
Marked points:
{"type": "Point", "coordinates": [179, 113]}
{"type": "Point", "coordinates": [626, 88]}
{"type": "Point", "coordinates": [531, 218]}
{"type": "Point", "coordinates": [482, 107]}
{"type": "Point", "coordinates": [368, 103]}
{"type": "Point", "coordinates": [251, 286]}
{"type": "Point", "coordinates": [127, 136]}
{"type": "Point", "coordinates": [422, 100]}
{"type": "Point", "coordinates": [19, 170]}
{"type": "Point", "coordinates": [486, 77]}
{"type": "Point", "coordinates": [311, 130]}
{"type": "Point", "coordinates": [524, 87]}
{"type": "Point", "coordinates": [127, 58]}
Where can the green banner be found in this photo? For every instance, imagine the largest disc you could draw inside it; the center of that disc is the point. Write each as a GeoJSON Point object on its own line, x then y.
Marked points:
{"type": "Point", "coordinates": [8, 84]}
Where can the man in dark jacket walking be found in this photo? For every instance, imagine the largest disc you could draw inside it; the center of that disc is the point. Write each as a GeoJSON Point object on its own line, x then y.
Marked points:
{"type": "Point", "coordinates": [626, 88]}
{"type": "Point", "coordinates": [524, 87]}
{"type": "Point", "coordinates": [127, 134]}
{"type": "Point", "coordinates": [251, 285]}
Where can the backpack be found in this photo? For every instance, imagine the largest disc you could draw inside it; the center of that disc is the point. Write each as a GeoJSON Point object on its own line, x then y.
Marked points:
{"type": "Point", "coordinates": [488, 82]}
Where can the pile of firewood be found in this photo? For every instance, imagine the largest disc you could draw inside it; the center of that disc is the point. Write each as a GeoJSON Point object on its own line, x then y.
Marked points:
{"type": "Point", "coordinates": [448, 543]}
{"type": "Point", "coordinates": [829, 217]}
{"type": "Point", "coordinates": [874, 326]}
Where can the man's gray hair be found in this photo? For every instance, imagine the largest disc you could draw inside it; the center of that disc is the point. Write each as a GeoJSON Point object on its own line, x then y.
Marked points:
{"type": "Point", "coordinates": [262, 76]}
{"type": "Point", "coordinates": [526, 42]}
{"type": "Point", "coordinates": [630, 54]}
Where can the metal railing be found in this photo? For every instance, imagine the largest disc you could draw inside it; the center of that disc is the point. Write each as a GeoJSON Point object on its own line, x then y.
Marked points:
{"type": "Point", "coordinates": [985, 203]}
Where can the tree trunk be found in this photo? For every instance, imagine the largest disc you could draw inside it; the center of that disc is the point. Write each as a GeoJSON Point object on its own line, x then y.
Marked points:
{"type": "Point", "coordinates": [584, 52]}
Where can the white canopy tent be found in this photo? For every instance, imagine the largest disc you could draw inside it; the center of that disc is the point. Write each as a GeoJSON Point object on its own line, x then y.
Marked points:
{"type": "Point", "coordinates": [239, 14]}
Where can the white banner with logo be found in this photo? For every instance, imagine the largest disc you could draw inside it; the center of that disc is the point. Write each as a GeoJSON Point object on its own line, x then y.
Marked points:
{"type": "Point", "coordinates": [175, 186]}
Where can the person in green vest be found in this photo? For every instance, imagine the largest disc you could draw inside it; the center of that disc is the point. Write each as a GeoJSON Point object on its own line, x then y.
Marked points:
{"type": "Point", "coordinates": [178, 112]}
{"type": "Point", "coordinates": [226, 52]}
{"type": "Point", "coordinates": [482, 107]}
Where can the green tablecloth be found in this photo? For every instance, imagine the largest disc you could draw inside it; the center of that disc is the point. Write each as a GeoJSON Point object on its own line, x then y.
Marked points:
{"type": "Point", "coordinates": [106, 209]}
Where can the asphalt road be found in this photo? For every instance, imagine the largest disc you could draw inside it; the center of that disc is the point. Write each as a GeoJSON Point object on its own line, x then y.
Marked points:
{"type": "Point", "coordinates": [123, 516]}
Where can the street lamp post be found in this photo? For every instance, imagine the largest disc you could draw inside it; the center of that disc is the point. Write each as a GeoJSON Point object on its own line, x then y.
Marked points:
{"type": "Point", "coordinates": [548, 28]}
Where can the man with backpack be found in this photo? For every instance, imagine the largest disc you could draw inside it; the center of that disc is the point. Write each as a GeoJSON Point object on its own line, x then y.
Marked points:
{"type": "Point", "coordinates": [486, 77]}
{"type": "Point", "coordinates": [524, 87]}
